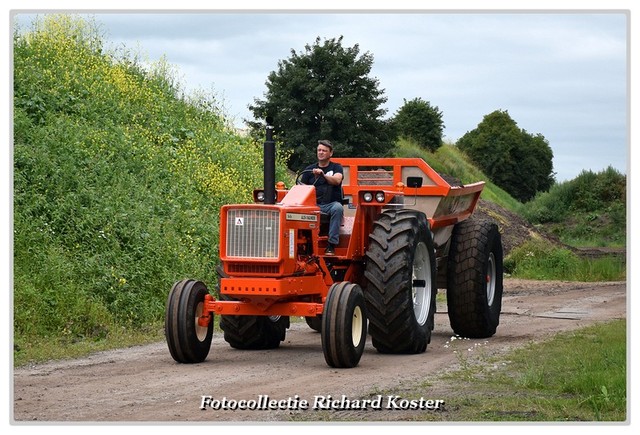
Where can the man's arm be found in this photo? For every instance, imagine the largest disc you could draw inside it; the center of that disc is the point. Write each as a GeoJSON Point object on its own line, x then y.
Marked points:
{"type": "Point", "coordinates": [333, 180]}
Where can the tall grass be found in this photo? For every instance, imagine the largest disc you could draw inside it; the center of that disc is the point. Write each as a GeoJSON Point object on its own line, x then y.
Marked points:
{"type": "Point", "coordinates": [585, 368]}
{"type": "Point", "coordinates": [538, 259]}
{"type": "Point", "coordinates": [589, 210]}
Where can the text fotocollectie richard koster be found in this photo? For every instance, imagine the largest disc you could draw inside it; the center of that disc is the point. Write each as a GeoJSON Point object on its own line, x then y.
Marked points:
{"type": "Point", "coordinates": [319, 403]}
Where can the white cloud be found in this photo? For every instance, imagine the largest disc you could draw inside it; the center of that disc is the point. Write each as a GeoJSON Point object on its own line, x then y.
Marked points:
{"type": "Point", "coordinates": [562, 75]}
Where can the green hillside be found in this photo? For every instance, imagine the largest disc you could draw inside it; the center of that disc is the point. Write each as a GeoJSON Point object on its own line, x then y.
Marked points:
{"type": "Point", "coordinates": [118, 181]}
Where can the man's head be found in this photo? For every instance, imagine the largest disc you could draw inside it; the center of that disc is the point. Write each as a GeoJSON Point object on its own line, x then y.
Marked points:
{"type": "Point", "coordinates": [324, 150]}
{"type": "Point", "coordinates": [326, 143]}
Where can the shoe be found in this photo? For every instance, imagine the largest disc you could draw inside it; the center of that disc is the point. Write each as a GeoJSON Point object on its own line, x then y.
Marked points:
{"type": "Point", "coordinates": [330, 250]}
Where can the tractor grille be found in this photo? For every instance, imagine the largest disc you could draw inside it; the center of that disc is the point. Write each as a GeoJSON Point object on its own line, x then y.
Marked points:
{"type": "Point", "coordinates": [253, 233]}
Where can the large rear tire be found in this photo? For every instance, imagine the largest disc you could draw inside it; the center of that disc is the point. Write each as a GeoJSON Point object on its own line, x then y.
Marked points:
{"type": "Point", "coordinates": [401, 282]}
{"type": "Point", "coordinates": [251, 332]}
{"type": "Point", "coordinates": [188, 341]}
{"type": "Point", "coordinates": [314, 323]}
{"type": "Point", "coordinates": [344, 325]}
{"type": "Point", "coordinates": [474, 278]}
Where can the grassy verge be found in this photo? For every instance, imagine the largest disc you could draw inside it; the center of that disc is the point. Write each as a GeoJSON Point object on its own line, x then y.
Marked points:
{"type": "Point", "coordinates": [29, 350]}
{"type": "Point", "coordinates": [578, 376]}
{"type": "Point", "coordinates": [575, 376]}
{"type": "Point", "coordinates": [538, 259]}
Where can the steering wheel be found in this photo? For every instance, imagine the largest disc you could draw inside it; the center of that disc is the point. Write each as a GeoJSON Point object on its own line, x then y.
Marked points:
{"type": "Point", "coordinates": [299, 177]}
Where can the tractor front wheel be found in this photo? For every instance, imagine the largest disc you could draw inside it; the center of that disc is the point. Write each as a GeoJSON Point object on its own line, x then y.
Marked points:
{"type": "Point", "coordinates": [344, 325]}
{"type": "Point", "coordinates": [189, 341]}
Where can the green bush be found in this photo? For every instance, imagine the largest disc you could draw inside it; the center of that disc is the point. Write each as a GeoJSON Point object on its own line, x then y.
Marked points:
{"type": "Point", "coordinates": [589, 210]}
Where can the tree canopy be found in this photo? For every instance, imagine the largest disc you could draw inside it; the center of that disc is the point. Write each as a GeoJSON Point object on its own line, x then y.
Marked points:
{"type": "Point", "coordinates": [518, 162]}
{"type": "Point", "coordinates": [421, 122]}
{"type": "Point", "coordinates": [325, 92]}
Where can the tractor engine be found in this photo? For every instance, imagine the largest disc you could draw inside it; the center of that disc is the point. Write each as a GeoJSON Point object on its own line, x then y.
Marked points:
{"type": "Point", "coordinates": [269, 240]}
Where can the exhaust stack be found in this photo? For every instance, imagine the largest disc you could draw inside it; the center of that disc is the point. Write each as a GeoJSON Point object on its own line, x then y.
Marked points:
{"type": "Point", "coordinates": [269, 165]}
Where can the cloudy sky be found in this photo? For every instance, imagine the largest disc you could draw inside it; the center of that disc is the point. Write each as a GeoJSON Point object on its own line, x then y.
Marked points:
{"type": "Point", "coordinates": [562, 74]}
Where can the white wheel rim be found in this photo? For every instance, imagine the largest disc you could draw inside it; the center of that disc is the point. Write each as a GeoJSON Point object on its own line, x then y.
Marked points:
{"type": "Point", "coordinates": [201, 331]}
{"type": "Point", "coordinates": [356, 326]}
{"type": "Point", "coordinates": [421, 273]}
{"type": "Point", "coordinates": [491, 279]}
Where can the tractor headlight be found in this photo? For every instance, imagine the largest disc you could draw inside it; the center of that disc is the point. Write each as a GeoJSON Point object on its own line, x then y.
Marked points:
{"type": "Point", "coordinates": [380, 196]}
{"type": "Point", "coordinates": [260, 196]}
{"type": "Point", "coordinates": [367, 196]}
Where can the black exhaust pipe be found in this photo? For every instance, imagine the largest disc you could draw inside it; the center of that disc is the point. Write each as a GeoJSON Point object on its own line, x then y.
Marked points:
{"type": "Point", "coordinates": [269, 165]}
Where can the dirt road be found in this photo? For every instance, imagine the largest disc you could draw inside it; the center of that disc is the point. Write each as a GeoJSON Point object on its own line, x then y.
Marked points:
{"type": "Point", "coordinates": [143, 384]}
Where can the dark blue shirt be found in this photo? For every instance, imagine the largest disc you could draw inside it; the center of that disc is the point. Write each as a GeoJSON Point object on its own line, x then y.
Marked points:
{"type": "Point", "coordinates": [325, 192]}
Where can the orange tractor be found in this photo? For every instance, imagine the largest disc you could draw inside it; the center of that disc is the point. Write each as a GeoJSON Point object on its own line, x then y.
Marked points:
{"type": "Point", "coordinates": [406, 232]}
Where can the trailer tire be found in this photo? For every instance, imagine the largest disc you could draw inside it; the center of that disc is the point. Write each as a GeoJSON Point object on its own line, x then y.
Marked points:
{"type": "Point", "coordinates": [188, 342]}
{"type": "Point", "coordinates": [474, 278]}
{"type": "Point", "coordinates": [344, 325]}
{"type": "Point", "coordinates": [401, 282]}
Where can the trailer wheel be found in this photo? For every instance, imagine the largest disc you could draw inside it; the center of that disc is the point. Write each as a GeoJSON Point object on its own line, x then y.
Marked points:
{"type": "Point", "coordinates": [401, 282]}
{"type": "Point", "coordinates": [474, 278]}
{"type": "Point", "coordinates": [188, 341]}
{"type": "Point", "coordinates": [314, 322]}
{"type": "Point", "coordinates": [344, 325]}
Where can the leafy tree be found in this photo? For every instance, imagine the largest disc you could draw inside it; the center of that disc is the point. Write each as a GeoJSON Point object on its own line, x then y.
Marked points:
{"type": "Point", "coordinates": [325, 92]}
{"type": "Point", "coordinates": [421, 122]}
{"type": "Point", "coordinates": [518, 162]}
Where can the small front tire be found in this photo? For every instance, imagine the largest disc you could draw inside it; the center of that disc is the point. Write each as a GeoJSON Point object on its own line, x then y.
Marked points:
{"type": "Point", "coordinates": [188, 341]}
{"type": "Point", "coordinates": [344, 325]}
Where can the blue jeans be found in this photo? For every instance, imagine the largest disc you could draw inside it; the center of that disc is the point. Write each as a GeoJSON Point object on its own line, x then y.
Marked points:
{"type": "Point", "coordinates": [335, 212]}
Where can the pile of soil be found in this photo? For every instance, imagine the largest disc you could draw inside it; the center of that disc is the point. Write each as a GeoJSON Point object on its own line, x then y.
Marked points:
{"type": "Point", "coordinates": [515, 230]}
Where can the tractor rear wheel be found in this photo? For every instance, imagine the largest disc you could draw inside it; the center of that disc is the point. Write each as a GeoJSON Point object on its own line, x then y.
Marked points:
{"type": "Point", "coordinates": [188, 341]}
{"type": "Point", "coordinates": [253, 332]}
{"type": "Point", "coordinates": [344, 325]}
{"type": "Point", "coordinates": [474, 278]}
{"type": "Point", "coordinates": [401, 282]}
{"type": "Point", "coordinates": [314, 323]}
